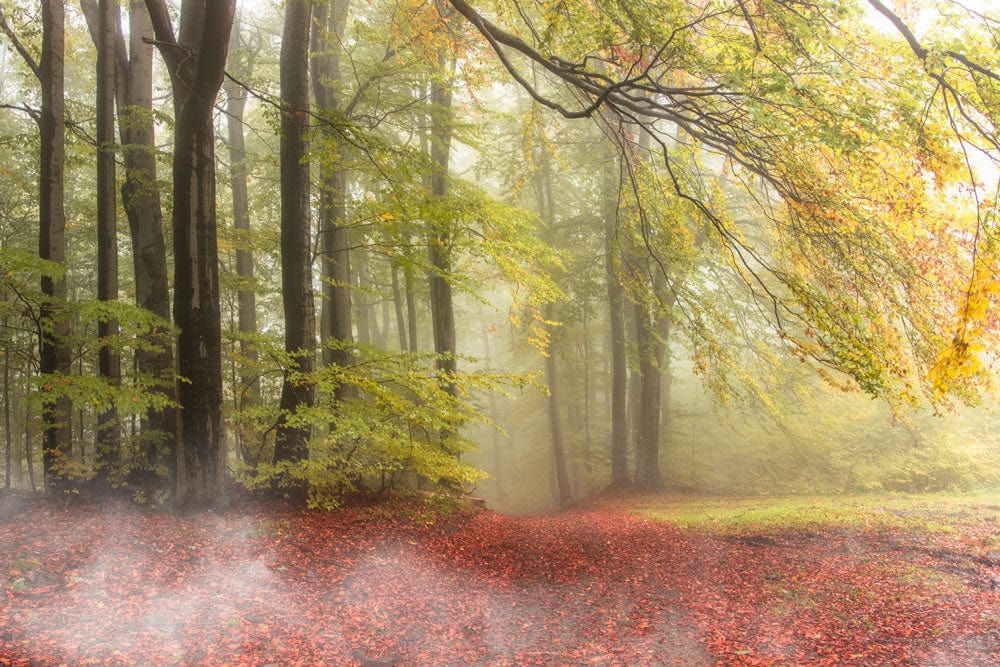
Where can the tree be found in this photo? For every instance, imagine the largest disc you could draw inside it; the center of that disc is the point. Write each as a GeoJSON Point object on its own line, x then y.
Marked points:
{"type": "Point", "coordinates": [297, 391]}
{"type": "Point", "coordinates": [55, 355]}
{"type": "Point", "coordinates": [616, 318]}
{"type": "Point", "coordinates": [109, 363]}
{"type": "Point", "coordinates": [195, 60]}
{"type": "Point", "coordinates": [328, 25]}
{"type": "Point", "coordinates": [236, 101]}
{"type": "Point", "coordinates": [157, 454]}
{"type": "Point", "coordinates": [439, 242]}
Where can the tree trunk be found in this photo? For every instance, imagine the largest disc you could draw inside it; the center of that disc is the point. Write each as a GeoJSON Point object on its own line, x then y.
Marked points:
{"type": "Point", "coordinates": [494, 417]}
{"type": "Point", "coordinates": [236, 101]}
{"type": "Point", "coordinates": [291, 441]}
{"type": "Point", "coordinates": [29, 458]}
{"type": "Point", "coordinates": [141, 199]}
{"type": "Point", "coordinates": [55, 354]}
{"type": "Point", "coordinates": [397, 302]}
{"type": "Point", "coordinates": [329, 21]}
{"type": "Point", "coordinates": [546, 207]}
{"type": "Point", "coordinates": [616, 315]}
{"type": "Point", "coordinates": [411, 308]}
{"type": "Point", "coordinates": [107, 445]}
{"type": "Point", "coordinates": [442, 308]}
{"type": "Point", "coordinates": [363, 309]}
{"type": "Point", "coordinates": [204, 33]}
{"type": "Point", "coordinates": [8, 436]}
{"type": "Point", "coordinates": [650, 351]}
{"type": "Point", "coordinates": [634, 380]}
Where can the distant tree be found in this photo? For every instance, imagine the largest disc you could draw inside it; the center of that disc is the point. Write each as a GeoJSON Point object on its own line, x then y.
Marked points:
{"type": "Point", "coordinates": [328, 26]}
{"type": "Point", "coordinates": [241, 58]}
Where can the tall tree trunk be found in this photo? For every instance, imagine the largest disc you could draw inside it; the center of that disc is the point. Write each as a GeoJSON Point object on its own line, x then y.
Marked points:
{"type": "Point", "coordinates": [141, 195]}
{"type": "Point", "coordinates": [650, 352]}
{"type": "Point", "coordinates": [667, 378]}
{"type": "Point", "coordinates": [634, 377]}
{"type": "Point", "coordinates": [616, 315]}
{"type": "Point", "coordinates": [8, 436]}
{"type": "Point", "coordinates": [195, 60]}
{"type": "Point", "coordinates": [236, 101]}
{"type": "Point", "coordinates": [107, 445]}
{"type": "Point", "coordinates": [28, 454]}
{"type": "Point", "coordinates": [546, 207]}
{"type": "Point", "coordinates": [328, 25]}
{"type": "Point", "coordinates": [411, 308]}
{"type": "Point", "coordinates": [442, 308]}
{"type": "Point", "coordinates": [494, 417]}
{"type": "Point", "coordinates": [363, 309]}
{"type": "Point", "coordinates": [55, 354]}
{"type": "Point", "coordinates": [291, 441]}
{"type": "Point", "coordinates": [141, 198]}
{"type": "Point", "coordinates": [397, 302]}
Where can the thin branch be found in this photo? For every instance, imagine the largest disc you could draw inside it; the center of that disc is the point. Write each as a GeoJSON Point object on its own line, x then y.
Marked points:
{"type": "Point", "coordinates": [29, 60]}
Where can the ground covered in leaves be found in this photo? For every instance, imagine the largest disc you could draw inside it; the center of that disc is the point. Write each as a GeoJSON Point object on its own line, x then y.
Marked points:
{"type": "Point", "coordinates": [623, 581]}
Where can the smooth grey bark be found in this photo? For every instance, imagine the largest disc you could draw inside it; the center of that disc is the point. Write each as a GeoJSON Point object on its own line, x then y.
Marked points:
{"type": "Point", "coordinates": [248, 392]}
{"type": "Point", "coordinates": [442, 307]}
{"type": "Point", "coordinates": [328, 25]}
{"type": "Point", "coordinates": [546, 207]}
{"type": "Point", "coordinates": [650, 352]}
{"type": "Point", "coordinates": [362, 311]}
{"type": "Point", "coordinates": [140, 195]}
{"type": "Point", "coordinates": [494, 417]}
{"type": "Point", "coordinates": [397, 303]}
{"type": "Point", "coordinates": [291, 442]}
{"type": "Point", "coordinates": [8, 436]}
{"type": "Point", "coordinates": [616, 317]}
{"type": "Point", "coordinates": [108, 442]}
{"type": "Point", "coordinates": [411, 308]}
{"type": "Point", "coordinates": [28, 454]}
{"type": "Point", "coordinates": [195, 59]}
{"type": "Point", "coordinates": [55, 356]}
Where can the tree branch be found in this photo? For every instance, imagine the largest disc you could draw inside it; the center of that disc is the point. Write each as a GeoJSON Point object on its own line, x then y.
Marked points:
{"type": "Point", "coordinates": [25, 54]}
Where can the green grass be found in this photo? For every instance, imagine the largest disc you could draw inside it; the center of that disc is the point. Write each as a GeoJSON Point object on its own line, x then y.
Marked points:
{"type": "Point", "coordinates": [938, 513]}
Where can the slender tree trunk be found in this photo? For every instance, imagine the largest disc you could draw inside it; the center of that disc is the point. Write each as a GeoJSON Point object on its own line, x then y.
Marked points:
{"type": "Point", "coordinates": [667, 379]}
{"type": "Point", "coordinates": [291, 443]}
{"type": "Point", "coordinates": [587, 463]}
{"type": "Point", "coordinates": [141, 198]}
{"type": "Point", "coordinates": [28, 454]}
{"type": "Point", "coordinates": [204, 34]}
{"type": "Point", "coordinates": [650, 351]}
{"type": "Point", "coordinates": [634, 379]}
{"type": "Point", "coordinates": [236, 100]}
{"type": "Point", "coordinates": [397, 302]}
{"type": "Point", "coordinates": [411, 308]}
{"type": "Point", "coordinates": [55, 354]}
{"type": "Point", "coordinates": [616, 315]}
{"type": "Point", "coordinates": [107, 445]}
{"type": "Point", "coordinates": [494, 416]}
{"type": "Point", "coordinates": [328, 25]}
{"type": "Point", "coordinates": [442, 308]}
{"type": "Point", "coordinates": [546, 207]}
{"type": "Point", "coordinates": [8, 436]}
{"type": "Point", "coordinates": [363, 309]}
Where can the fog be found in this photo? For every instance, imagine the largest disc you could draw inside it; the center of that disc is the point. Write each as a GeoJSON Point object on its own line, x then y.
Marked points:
{"type": "Point", "coordinates": [782, 429]}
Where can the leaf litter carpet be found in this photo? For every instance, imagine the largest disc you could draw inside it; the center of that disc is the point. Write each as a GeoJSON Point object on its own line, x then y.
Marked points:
{"type": "Point", "coordinates": [393, 584]}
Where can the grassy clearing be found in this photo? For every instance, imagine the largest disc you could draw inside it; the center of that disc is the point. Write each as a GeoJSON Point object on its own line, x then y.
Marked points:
{"type": "Point", "coordinates": [937, 513]}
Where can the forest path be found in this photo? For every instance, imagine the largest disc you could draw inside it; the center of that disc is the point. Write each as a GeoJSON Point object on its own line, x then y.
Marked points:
{"type": "Point", "coordinates": [402, 582]}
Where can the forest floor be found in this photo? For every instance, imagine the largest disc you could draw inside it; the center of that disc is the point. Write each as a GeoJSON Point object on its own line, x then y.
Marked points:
{"type": "Point", "coordinates": [655, 580]}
